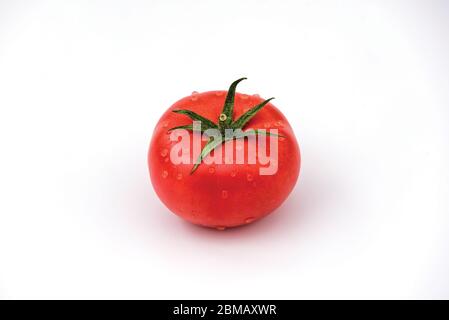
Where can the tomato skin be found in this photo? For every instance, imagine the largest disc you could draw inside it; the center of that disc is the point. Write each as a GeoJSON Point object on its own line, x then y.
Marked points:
{"type": "Point", "coordinates": [222, 195]}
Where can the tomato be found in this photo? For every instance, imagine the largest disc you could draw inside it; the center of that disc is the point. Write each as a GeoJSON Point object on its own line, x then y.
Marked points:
{"type": "Point", "coordinates": [225, 194]}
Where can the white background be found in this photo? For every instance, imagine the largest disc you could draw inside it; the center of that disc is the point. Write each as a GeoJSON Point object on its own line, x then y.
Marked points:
{"type": "Point", "coordinates": [364, 84]}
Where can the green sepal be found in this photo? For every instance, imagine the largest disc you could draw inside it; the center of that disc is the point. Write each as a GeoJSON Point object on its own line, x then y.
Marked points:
{"type": "Point", "coordinates": [214, 143]}
{"type": "Point", "coordinates": [188, 127]}
{"type": "Point", "coordinates": [254, 132]}
{"type": "Point", "coordinates": [244, 118]}
{"type": "Point", "coordinates": [195, 116]}
{"type": "Point", "coordinates": [210, 145]}
{"type": "Point", "coordinates": [228, 108]}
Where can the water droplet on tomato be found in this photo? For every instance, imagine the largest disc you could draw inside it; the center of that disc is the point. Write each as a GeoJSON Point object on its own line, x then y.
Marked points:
{"type": "Point", "coordinates": [249, 220]}
{"type": "Point", "coordinates": [166, 159]}
{"type": "Point", "coordinates": [220, 228]}
{"type": "Point", "coordinates": [244, 97]}
{"type": "Point", "coordinates": [164, 174]}
{"type": "Point", "coordinates": [281, 138]}
{"type": "Point", "coordinates": [224, 194]}
{"type": "Point", "coordinates": [279, 123]}
{"type": "Point", "coordinates": [233, 174]}
{"type": "Point", "coordinates": [164, 152]}
{"type": "Point", "coordinates": [266, 125]}
{"type": "Point", "coordinates": [165, 124]}
{"type": "Point", "coordinates": [179, 176]}
{"type": "Point", "coordinates": [211, 170]}
{"type": "Point", "coordinates": [194, 96]}
{"type": "Point", "coordinates": [249, 177]}
{"type": "Point", "coordinates": [219, 93]}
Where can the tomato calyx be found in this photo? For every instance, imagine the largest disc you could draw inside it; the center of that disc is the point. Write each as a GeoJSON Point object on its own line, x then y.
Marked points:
{"type": "Point", "coordinates": [225, 121]}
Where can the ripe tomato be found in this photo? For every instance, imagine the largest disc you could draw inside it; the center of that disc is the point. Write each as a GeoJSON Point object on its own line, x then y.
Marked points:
{"type": "Point", "coordinates": [227, 194]}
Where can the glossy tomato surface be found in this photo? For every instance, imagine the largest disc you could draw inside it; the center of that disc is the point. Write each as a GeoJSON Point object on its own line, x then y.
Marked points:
{"type": "Point", "coordinates": [222, 195]}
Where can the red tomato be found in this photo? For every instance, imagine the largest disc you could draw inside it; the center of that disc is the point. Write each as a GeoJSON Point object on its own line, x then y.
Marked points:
{"type": "Point", "coordinates": [222, 195]}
